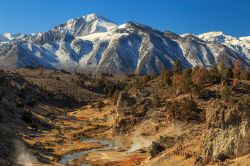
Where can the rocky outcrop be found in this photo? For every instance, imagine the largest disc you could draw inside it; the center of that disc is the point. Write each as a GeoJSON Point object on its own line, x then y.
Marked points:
{"type": "Point", "coordinates": [228, 131]}
{"type": "Point", "coordinates": [162, 144]}
{"type": "Point", "coordinates": [131, 107]}
{"type": "Point", "coordinates": [123, 103]}
{"type": "Point", "coordinates": [124, 122]}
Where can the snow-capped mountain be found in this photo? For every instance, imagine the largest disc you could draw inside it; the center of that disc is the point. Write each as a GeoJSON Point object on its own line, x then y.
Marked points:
{"type": "Point", "coordinates": [86, 25]}
{"type": "Point", "coordinates": [240, 45]}
{"type": "Point", "coordinates": [10, 36]}
{"type": "Point", "coordinates": [95, 44]}
{"type": "Point", "coordinates": [3, 38]}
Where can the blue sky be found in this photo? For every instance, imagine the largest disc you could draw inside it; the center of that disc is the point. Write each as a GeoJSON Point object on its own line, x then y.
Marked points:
{"type": "Point", "coordinates": [179, 16]}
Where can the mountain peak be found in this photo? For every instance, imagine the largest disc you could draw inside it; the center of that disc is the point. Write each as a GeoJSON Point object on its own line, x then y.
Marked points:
{"type": "Point", "coordinates": [85, 25]}
{"type": "Point", "coordinates": [217, 36]}
{"type": "Point", "coordinates": [214, 33]}
{"type": "Point", "coordinates": [93, 16]}
{"type": "Point", "coordinates": [8, 35]}
{"type": "Point", "coordinates": [245, 38]}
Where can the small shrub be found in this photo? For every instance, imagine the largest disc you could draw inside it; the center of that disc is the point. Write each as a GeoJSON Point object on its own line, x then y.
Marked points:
{"type": "Point", "coordinates": [165, 77]}
{"type": "Point", "coordinates": [226, 73]}
{"type": "Point", "coordinates": [177, 84]}
{"type": "Point", "coordinates": [27, 117]}
{"type": "Point", "coordinates": [115, 96]}
{"type": "Point", "coordinates": [236, 72]}
{"type": "Point", "coordinates": [100, 105]}
{"type": "Point", "coordinates": [244, 101]}
{"type": "Point", "coordinates": [32, 102]}
{"type": "Point", "coordinates": [199, 77]}
{"type": "Point", "coordinates": [65, 71]}
{"type": "Point", "coordinates": [156, 149]}
{"type": "Point", "coordinates": [214, 75]}
{"type": "Point", "coordinates": [50, 75]}
{"type": "Point", "coordinates": [19, 102]}
{"type": "Point", "coordinates": [155, 100]}
{"type": "Point", "coordinates": [177, 68]}
{"type": "Point", "coordinates": [244, 75]}
{"type": "Point", "coordinates": [226, 92]}
{"type": "Point", "coordinates": [187, 82]}
{"type": "Point", "coordinates": [145, 80]}
{"type": "Point", "coordinates": [24, 88]}
{"type": "Point", "coordinates": [186, 110]}
{"type": "Point", "coordinates": [81, 82]}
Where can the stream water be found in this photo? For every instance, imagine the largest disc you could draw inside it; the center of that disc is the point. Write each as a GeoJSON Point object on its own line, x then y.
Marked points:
{"type": "Point", "coordinates": [107, 145]}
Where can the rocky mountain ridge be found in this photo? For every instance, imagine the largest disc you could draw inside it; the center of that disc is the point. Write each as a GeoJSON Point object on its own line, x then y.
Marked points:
{"type": "Point", "coordinates": [94, 44]}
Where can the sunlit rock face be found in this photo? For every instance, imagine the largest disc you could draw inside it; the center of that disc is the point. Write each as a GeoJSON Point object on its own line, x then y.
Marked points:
{"type": "Point", "coordinates": [228, 132]}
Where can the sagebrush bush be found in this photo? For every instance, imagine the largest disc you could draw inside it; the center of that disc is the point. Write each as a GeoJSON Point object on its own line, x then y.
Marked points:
{"type": "Point", "coordinates": [100, 104]}
{"type": "Point", "coordinates": [186, 110]}
{"type": "Point", "coordinates": [19, 102]}
{"type": "Point", "coordinates": [32, 102]}
{"type": "Point", "coordinates": [155, 99]}
{"type": "Point", "coordinates": [244, 100]}
{"type": "Point", "coordinates": [213, 75]}
{"type": "Point", "coordinates": [226, 92]}
{"type": "Point", "coordinates": [24, 88]}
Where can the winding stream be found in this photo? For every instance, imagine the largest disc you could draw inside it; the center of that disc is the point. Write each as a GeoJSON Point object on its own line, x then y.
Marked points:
{"type": "Point", "coordinates": [107, 145]}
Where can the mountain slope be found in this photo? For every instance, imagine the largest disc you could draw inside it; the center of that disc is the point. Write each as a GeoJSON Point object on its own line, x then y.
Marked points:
{"type": "Point", "coordinates": [93, 44]}
{"type": "Point", "coordinates": [240, 45]}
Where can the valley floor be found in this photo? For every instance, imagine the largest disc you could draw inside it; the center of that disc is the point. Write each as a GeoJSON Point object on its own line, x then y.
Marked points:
{"type": "Point", "coordinates": [71, 124]}
{"type": "Point", "coordinates": [80, 137]}
{"type": "Point", "coordinates": [85, 129]}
